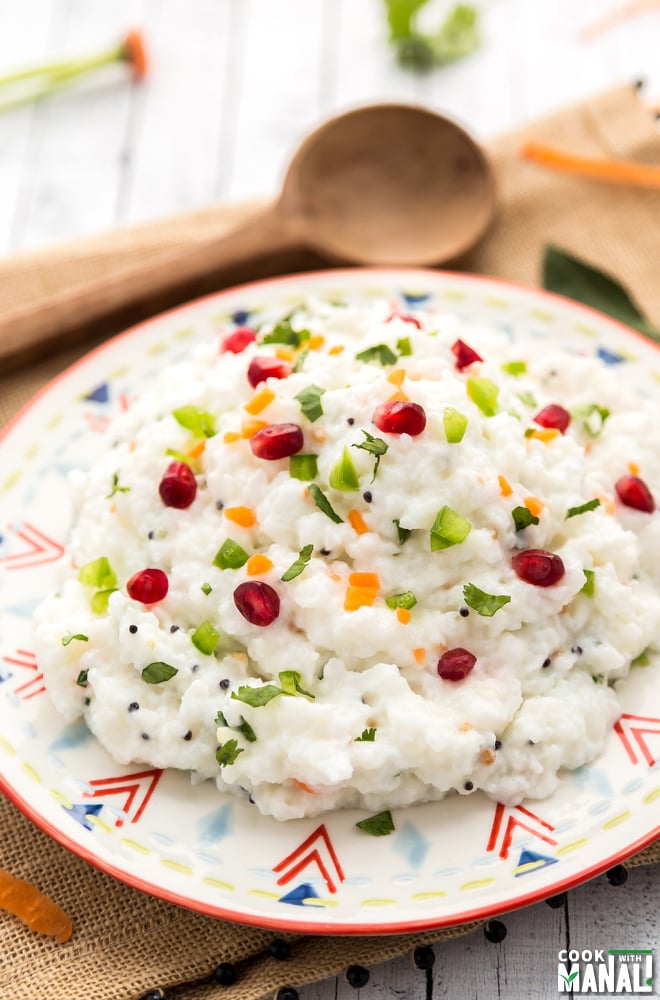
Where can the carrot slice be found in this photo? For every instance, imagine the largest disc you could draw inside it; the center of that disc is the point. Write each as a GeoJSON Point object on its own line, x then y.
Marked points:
{"type": "Point", "coordinates": [359, 597]}
{"type": "Point", "coordinates": [244, 516]}
{"type": "Point", "coordinates": [231, 436]}
{"type": "Point", "coordinates": [420, 655]}
{"type": "Point", "coordinates": [337, 349]}
{"type": "Point", "coordinates": [316, 341]}
{"type": "Point", "coordinates": [505, 488]}
{"type": "Point", "coordinates": [364, 580]}
{"type": "Point", "coordinates": [544, 434]}
{"type": "Point", "coordinates": [259, 401]}
{"type": "Point", "coordinates": [197, 449]}
{"type": "Point", "coordinates": [397, 376]}
{"type": "Point", "coordinates": [35, 909]}
{"type": "Point", "coordinates": [633, 468]}
{"type": "Point", "coordinates": [357, 522]}
{"type": "Point", "coordinates": [258, 564]}
{"type": "Point", "coordinates": [404, 615]}
{"type": "Point", "coordinates": [534, 505]}
{"type": "Point", "coordinates": [608, 170]}
{"type": "Point", "coordinates": [398, 396]}
{"type": "Point", "coordinates": [250, 427]}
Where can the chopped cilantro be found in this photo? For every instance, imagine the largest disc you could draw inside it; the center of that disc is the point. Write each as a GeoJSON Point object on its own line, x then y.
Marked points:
{"type": "Point", "coordinates": [300, 360]}
{"type": "Point", "coordinates": [368, 736]}
{"type": "Point", "coordinates": [641, 661]}
{"type": "Point", "coordinates": [404, 347]}
{"type": "Point", "coordinates": [296, 567]}
{"type": "Point", "coordinates": [290, 682]}
{"type": "Point", "coordinates": [228, 752]}
{"type": "Point", "coordinates": [116, 488]}
{"type": "Point", "coordinates": [310, 401]}
{"type": "Point", "coordinates": [81, 679]}
{"type": "Point", "coordinates": [526, 398]}
{"type": "Point", "coordinates": [323, 504]}
{"type": "Point", "coordinates": [206, 588]}
{"type": "Point", "coordinates": [375, 446]}
{"type": "Point", "coordinates": [230, 555]}
{"type": "Point", "coordinates": [158, 672]}
{"type": "Point", "coordinates": [481, 602]}
{"type": "Point", "coordinates": [403, 533]}
{"type": "Point", "coordinates": [589, 584]}
{"type": "Point", "coordinates": [98, 573]}
{"type": "Point", "coordinates": [200, 423]}
{"type": "Point", "coordinates": [379, 825]}
{"type": "Point", "coordinates": [205, 638]}
{"type": "Point", "coordinates": [179, 455]}
{"type": "Point", "coordinates": [283, 333]}
{"type": "Point", "coordinates": [523, 517]}
{"type": "Point", "coordinates": [220, 720]}
{"type": "Point", "coordinates": [381, 353]}
{"type": "Point", "coordinates": [449, 528]}
{"type": "Point", "coordinates": [66, 639]}
{"type": "Point", "coordinates": [592, 417]}
{"type": "Point", "coordinates": [248, 732]}
{"type": "Point", "coordinates": [405, 600]}
{"type": "Point", "coordinates": [256, 696]}
{"type": "Point", "coordinates": [583, 508]}
{"type": "Point", "coordinates": [99, 601]}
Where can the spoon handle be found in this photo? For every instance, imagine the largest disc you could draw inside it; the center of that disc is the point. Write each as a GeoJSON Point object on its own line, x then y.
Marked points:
{"type": "Point", "coordinates": [143, 288]}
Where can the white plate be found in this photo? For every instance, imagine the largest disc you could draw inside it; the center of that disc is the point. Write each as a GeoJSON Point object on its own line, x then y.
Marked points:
{"type": "Point", "coordinates": [446, 863]}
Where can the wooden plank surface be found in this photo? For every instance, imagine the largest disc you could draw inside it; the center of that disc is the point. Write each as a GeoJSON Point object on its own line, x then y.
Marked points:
{"type": "Point", "coordinates": [234, 86]}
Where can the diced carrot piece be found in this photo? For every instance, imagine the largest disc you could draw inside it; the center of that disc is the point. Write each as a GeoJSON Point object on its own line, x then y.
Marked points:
{"type": "Point", "coordinates": [398, 396]}
{"type": "Point", "coordinates": [404, 615]}
{"type": "Point", "coordinates": [633, 468]}
{"type": "Point", "coordinates": [284, 353]}
{"type": "Point", "coordinates": [359, 597]}
{"type": "Point", "coordinates": [197, 449]}
{"type": "Point", "coordinates": [337, 349]}
{"type": "Point", "coordinates": [505, 488]}
{"type": "Point", "coordinates": [534, 505]}
{"type": "Point", "coordinates": [250, 427]}
{"type": "Point", "coordinates": [487, 757]}
{"type": "Point", "coordinates": [304, 787]}
{"type": "Point", "coordinates": [357, 522]}
{"type": "Point", "coordinates": [419, 654]}
{"type": "Point", "coordinates": [231, 436]}
{"type": "Point", "coordinates": [259, 401]}
{"type": "Point", "coordinates": [244, 516]}
{"type": "Point", "coordinates": [545, 434]}
{"type": "Point", "coordinates": [397, 376]}
{"type": "Point", "coordinates": [316, 341]}
{"type": "Point", "coordinates": [258, 564]}
{"type": "Point", "coordinates": [364, 580]}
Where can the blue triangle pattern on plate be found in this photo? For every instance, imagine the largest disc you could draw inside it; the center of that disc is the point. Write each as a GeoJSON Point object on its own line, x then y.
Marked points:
{"type": "Point", "coordinates": [80, 812]}
{"type": "Point", "coordinates": [99, 395]}
{"type": "Point", "coordinates": [530, 861]}
{"type": "Point", "coordinates": [298, 895]}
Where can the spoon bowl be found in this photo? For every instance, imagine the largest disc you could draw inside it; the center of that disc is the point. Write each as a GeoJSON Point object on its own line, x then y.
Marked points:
{"type": "Point", "coordinates": [389, 184]}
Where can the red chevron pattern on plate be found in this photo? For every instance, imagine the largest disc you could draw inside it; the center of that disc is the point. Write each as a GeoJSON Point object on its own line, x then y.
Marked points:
{"type": "Point", "coordinates": [137, 787]}
{"type": "Point", "coordinates": [628, 731]}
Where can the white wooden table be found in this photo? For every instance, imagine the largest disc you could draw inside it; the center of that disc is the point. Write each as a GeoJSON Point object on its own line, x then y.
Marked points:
{"type": "Point", "coordinates": [234, 85]}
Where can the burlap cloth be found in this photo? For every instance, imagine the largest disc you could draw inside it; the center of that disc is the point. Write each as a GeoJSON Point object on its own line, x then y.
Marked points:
{"type": "Point", "coordinates": [125, 942]}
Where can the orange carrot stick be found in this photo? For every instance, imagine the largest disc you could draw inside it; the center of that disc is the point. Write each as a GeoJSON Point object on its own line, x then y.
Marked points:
{"type": "Point", "coordinates": [608, 170]}
{"type": "Point", "coordinates": [39, 912]}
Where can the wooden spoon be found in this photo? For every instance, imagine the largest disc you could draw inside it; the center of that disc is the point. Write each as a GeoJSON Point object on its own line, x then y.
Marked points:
{"type": "Point", "coordinates": [386, 184]}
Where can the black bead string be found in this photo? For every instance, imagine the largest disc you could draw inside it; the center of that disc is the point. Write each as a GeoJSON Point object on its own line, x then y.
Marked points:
{"type": "Point", "coordinates": [287, 993]}
{"type": "Point", "coordinates": [556, 902]}
{"type": "Point", "coordinates": [424, 959]}
{"type": "Point", "coordinates": [357, 976]}
{"type": "Point", "coordinates": [494, 931]}
{"type": "Point", "coordinates": [617, 875]}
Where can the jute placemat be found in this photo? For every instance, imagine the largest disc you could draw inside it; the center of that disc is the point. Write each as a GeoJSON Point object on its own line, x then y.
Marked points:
{"type": "Point", "coordinates": [125, 942]}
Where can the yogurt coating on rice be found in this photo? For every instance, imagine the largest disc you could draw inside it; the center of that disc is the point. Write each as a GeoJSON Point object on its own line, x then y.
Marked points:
{"type": "Point", "coordinates": [405, 558]}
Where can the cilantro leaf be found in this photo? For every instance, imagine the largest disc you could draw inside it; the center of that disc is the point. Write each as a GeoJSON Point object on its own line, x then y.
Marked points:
{"type": "Point", "coordinates": [368, 736]}
{"type": "Point", "coordinates": [405, 600]}
{"type": "Point", "coordinates": [589, 584]}
{"type": "Point", "coordinates": [66, 639]}
{"type": "Point", "coordinates": [323, 504]}
{"type": "Point", "coordinates": [403, 533]}
{"type": "Point", "coordinates": [375, 446]}
{"type": "Point", "coordinates": [200, 423]}
{"type": "Point", "coordinates": [158, 672]}
{"type": "Point", "coordinates": [290, 681]}
{"type": "Point", "coordinates": [381, 353]}
{"type": "Point", "coordinates": [592, 417]}
{"type": "Point", "coordinates": [523, 517]}
{"type": "Point", "coordinates": [256, 696]}
{"type": "Point", "coordinates": [379, 825]}
{"type": "Point", "coordinates": [116, 488]}
{"type": "Point", "coordinates": [484, 604]}
{"type": "Point", "coordinates": [248, 732]}
{"type": "Point", "coordinates": [514, 368]}
{"type": "Point", "coordinates": [582, 508]}
{"type": "Point", "coordinates": [296, 567]}
{"type": "Point", "coordinates": [81, 679]}
{"type": "Point", "coordinates": [228, 752]}
{"type": "Point", "coordinates": [310, 402]}
{"type": "Point", "coordinates": [404, 347]}
{"type": "Point", "coordinates": [283, 333]}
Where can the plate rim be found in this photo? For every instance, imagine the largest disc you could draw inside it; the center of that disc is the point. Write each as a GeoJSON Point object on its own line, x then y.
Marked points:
{"type": "Point", "coordinates": [478, 913]}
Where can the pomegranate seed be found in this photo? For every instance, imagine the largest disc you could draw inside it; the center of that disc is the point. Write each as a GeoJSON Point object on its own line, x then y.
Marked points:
{"type": "Point", "coordinates": [464, 354]}
{"type": "Point", "coordinates": [538, 567]}
{"type": "Point", "coordinates": [148, 586]}
{"type": "Point", "coordinates": [554, 416]}
{"type": "Point", "coordinates": [265, 366]}
{"type": "Point", "coordinates": [407, 318]}
{"type": "Point", "coordinates": [455, 664]}
{"type": "Point", "coordinates": [237, 341]}
{"type": "Point", "coordinates": [633, 492]}
{"type": "Point", "coordinates": [277, 441]}
{"type": "Point", "coordinates": [258, 602]}
{"type": "Point", "coordinates": [178, 487]}
{"type": "Point", "coordinates": [398, 417]}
